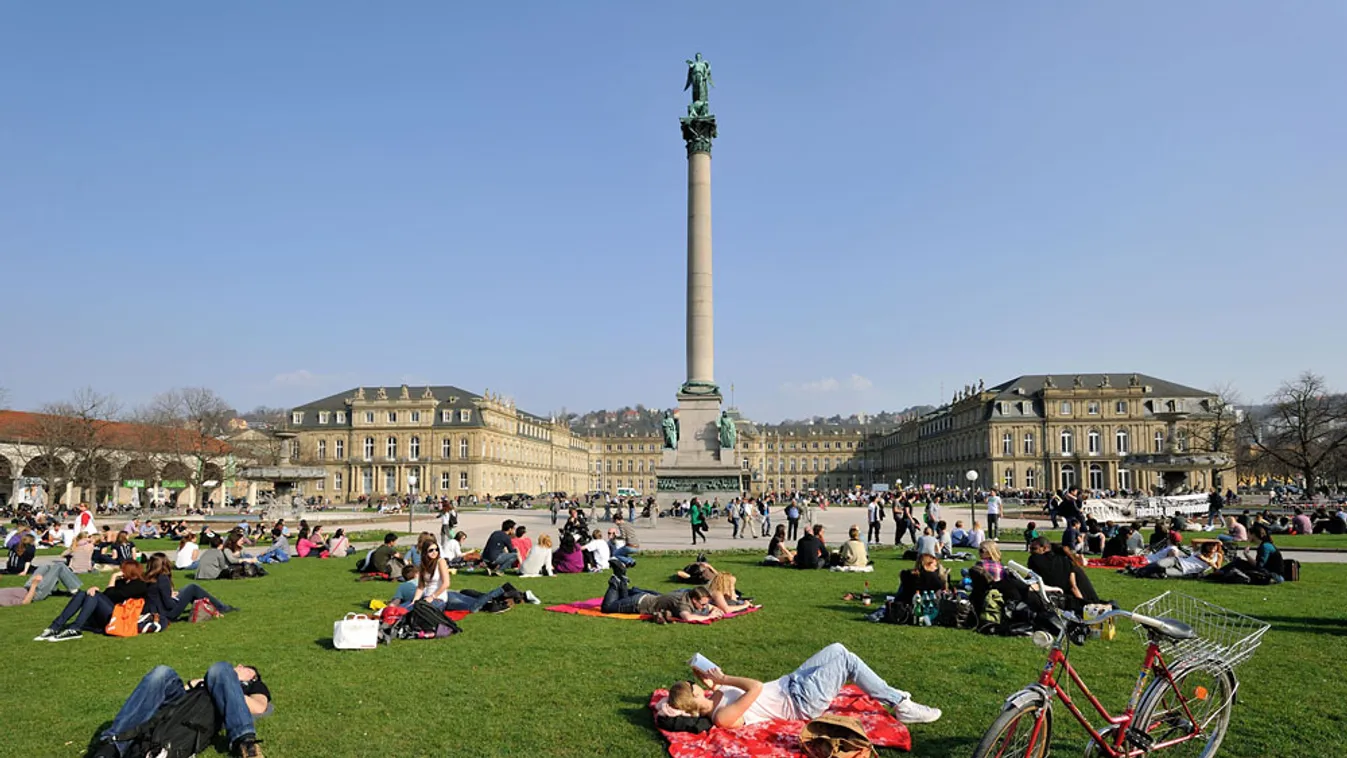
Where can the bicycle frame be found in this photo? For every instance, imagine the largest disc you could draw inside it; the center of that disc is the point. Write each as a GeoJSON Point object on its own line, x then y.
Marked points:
{"type": "Point", "coordinates": [1153, 667]}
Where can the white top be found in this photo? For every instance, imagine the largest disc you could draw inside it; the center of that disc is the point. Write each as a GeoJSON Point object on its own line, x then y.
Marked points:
{"type": "Point", "coordinates": [976, 538]}
{"type": "Point", "coordinates": [773, 702]}
{"type": "Point", "coordinates": [186, 556]}
{"type": "Point", "coordinates": [994, 505]}
{"type": "Point", "coordinates": [539, 562]}
{"type": "Point", "coordinates": [600, 550]}
{"type": "Point", "coordinates": [68, 538]}
{"type": "Point", "coordinates": [452, 550]}
{"type": "Point", "coordinates": [432, 590]}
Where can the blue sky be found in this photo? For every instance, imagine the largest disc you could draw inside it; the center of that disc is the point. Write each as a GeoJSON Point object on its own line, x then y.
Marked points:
{"type": "Point", "coordinates": [285, 200]}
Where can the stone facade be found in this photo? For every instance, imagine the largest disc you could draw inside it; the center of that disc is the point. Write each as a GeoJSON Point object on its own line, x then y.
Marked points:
{"type": "Point", "coordinates": [1045, 432]}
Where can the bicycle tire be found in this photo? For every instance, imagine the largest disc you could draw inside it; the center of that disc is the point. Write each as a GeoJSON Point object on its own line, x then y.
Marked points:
{"type": "Point", "coordinates": [1160, 717]}
{"type": "Point", "coordinates": [1009, 724]}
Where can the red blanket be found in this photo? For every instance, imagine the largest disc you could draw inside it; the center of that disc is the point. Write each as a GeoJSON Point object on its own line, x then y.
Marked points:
{"type": "Point", "coordinates": [1117, 562]}
{"type": "Point", "coordinates": [781, 739]}
{"type": "Point", "coordinates": [591, 608]}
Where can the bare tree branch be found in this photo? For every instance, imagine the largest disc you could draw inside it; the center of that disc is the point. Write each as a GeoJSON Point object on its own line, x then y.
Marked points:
{"type": "Point", "coordinates": [1305, 430]}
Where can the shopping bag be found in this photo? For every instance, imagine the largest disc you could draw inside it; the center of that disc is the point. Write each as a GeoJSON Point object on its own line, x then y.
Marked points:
{"type": "Point", "coordinates": [355, 632]}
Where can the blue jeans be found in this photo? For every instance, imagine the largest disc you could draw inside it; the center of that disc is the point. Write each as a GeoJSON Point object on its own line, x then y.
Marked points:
{"type": "Point", "coordinates": [88, 611]}
{"type": "Point", "coordinates": [817, 681]}
{"type": "Point", "coordinates": [766, 525]}
{"type": "Point", "coordinates": [188, 595]}
{"type": "Point", "coordinates": [622, 599]}
{"type": "Point", "coordinates": [163, 685]}
{"type": "Point", "coordinates": [276, 554]}
{"type": "Point", "coordinates": [625, 553]}
{"type": "Point", "coordinates": [457, 601]}
{"type": "Point", "coordinates": [505, 561]}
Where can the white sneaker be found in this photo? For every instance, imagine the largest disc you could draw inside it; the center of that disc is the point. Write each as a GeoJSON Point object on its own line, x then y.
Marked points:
{"type": "Point", "coordinates": [911, 712]}
{"type": "Point", "coordinates": [47, 634]}
{"type": "Point", "coordinates": [531, 598]}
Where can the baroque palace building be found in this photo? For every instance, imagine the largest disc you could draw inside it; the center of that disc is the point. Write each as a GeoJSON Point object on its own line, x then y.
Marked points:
{"type": "Point", "coordinates": [440, 441]}
{"type": "Point", "coordinates": [1048, 432]}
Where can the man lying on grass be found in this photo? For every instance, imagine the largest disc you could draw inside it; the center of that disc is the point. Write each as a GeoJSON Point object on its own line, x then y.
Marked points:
{"type": "Point", "coordinates": [621, 597]}
{"type": "Point", "coordinates": [804, 694]}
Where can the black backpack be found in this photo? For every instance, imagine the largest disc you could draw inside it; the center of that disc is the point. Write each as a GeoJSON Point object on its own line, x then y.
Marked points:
{"type": "Point", "coordinates": [424, 621]}
{"type": "Point", "coordinates": [180, 729]}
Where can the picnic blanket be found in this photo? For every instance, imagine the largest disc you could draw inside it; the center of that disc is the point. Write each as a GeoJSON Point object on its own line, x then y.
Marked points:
{"type": "Point", "coordinates": [860, 569]}
{"type": "Point", "coordinates": [591, 608]}
{"type": "Point", "coordinates": [781, 739]}
{"type": "Point", "coordinates": [1117, 562]}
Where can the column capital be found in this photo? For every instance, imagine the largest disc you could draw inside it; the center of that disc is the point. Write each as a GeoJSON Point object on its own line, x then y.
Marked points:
{"type": "Point", "coordinates": [698, 131]}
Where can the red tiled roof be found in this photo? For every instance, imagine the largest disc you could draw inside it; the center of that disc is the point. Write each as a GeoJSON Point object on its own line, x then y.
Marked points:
{"type": "Point", "coordinates": [21, 426]}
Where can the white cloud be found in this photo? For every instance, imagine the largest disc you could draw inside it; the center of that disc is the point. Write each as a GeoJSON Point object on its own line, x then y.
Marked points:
{"type": "Point", "coordinates": [821, 385]}
{"type": "Point", "coordinates": [860, 383]}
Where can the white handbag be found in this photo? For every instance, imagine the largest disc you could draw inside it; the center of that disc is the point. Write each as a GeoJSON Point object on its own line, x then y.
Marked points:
{"type": "Point", "coordinates": [355, 632]}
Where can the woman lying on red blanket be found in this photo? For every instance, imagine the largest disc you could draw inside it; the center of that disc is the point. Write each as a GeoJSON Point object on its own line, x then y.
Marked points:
{"type": "Point", "coordinates": [731, 701]}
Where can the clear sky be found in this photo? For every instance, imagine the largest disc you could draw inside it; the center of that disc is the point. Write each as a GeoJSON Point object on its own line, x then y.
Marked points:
{"type": "Point", "coordinates": [285, 200]}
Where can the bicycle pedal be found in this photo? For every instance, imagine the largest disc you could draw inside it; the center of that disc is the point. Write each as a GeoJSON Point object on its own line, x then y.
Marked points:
{"type": "Point", "coordinates": [1140, 739]}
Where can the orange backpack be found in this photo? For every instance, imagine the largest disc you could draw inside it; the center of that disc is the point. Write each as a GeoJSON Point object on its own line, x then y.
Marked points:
{"type": "Point", "coordinates": [125, 618]}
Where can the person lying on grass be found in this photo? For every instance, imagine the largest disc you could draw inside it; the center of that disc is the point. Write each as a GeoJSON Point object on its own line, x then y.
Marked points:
{"type": "Point", "coordinates": [237, 692]}
{"type": "Point", "coordinates": [621, 597]}
{"type": "Point", "coordinates": [40, 584]}
{"type": "Point", "coordinates": [802, 695]}
{"type": "Point", "coordinates": [724, 595]}
{"type": "Point", "coordinates": [93, 609]}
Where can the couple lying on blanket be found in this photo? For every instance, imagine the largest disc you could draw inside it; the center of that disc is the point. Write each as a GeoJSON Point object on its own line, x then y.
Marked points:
{"type": "Point", "coordinates": [690, 605]}
{"type": "Point", "coordinates": [733, 701]}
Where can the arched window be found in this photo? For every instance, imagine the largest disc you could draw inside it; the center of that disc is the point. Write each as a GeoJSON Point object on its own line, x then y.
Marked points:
{"type": "Point", "coordinates": [1096, 476]}
{"type": "Point", "coordinates": [391, 447]}
{"type": "Point", "coordinates": [1121, 441]}
{"type": "Point", "coordinates": [369, 448]}
{"type": "Point", "coordinates": [1068, 444]}
{"type": "Point", "coordinates": [1007, 444]}
{"type": "Point", "coordinates": [1094, 442]}
{"type": "Point", "coordinates": [1068, 476]}
{"type": "Point", "coordinates": [1029, 443]}
{"type": "Point", "coordinates": [414, 448]}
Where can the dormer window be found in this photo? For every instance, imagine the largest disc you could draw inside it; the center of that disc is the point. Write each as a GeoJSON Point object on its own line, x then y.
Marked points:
{"type": "Point", "coordinates": [323, 417]}
{"type": "Point", "coordinates": [465, 415]}
{"type": "Point", "coordinates": [297, 417]}
{"type": "Point", "coordinates": [447, 416]}
{"type": "Point", "coordinates": [341, 417]}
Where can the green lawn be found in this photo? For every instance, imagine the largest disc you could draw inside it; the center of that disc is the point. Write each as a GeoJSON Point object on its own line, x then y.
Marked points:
{"type": "Point", "coordinates": [534, 683]}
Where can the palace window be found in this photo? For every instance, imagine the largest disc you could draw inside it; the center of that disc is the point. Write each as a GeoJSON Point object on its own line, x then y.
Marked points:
{"type": "Point", "coordinates": [1067, 442]}
{"type": "Point", "coordinates": [1093, 441]}
{"type": "Point", "coordinates": [1092, 408]}
{"type": "Point", "coordinates": [319, 485]}
{"type": "Point", "coordinates": [446, 448]}
{"type": "Point", "coordinates": [323, 417]}
{"type": "Point", "coordinates": [1121, 407]}
{"type": "Point", "coordinates": [1159, 443]}
{"type": "Point", "coordinates": [1096, 476]}
{"type": "Point", "coordinates": [391, 447]}
{"type": "Point", "coordinates": [465, 415]}
{"type": "Point", "coordinates": [339, 449]}
{"type": "Point", "coordinates": [1030, 479]}
{"type": "Point", "coordinates": [336, 481]}
{"type": "Point", "coordinates": [463, 480]}
{"type": "Point", "coordinates": [1007, 444]}
{"type": "Point", "coordinates": [447, 416]}
{"type": "Point", "coordinates": [1065, 408]}
{"type": "Point", "coordinates": [297, 417]}
{"type": "Point", "coordinates": [444, 480]}
{"type": "Point", "coordinates": [320, 451]}
{"type": "Point", "coordinates": [1029, 444]}
{"type": "Point", "coordinates": [1124, 479]}
{"type": "Point", "coordinates": [1120, 440]}
{"type": "Point", "coordinates": [414, 448]}
{"type": "Point", "coordinates": [416, 417]}
{"type": "Point", "coordinates": [463, 448]}
{"type": "Point", "coordinates": [1008, 481]}
{"type": "Point", "coordinates": [608, 467]}
{"type": "Point", "coordinates": [392, 417]}
{"type": "Point", "coordinates": [369, 417]}
{"type": "Point", "coordinates": [1068, 476]}
{"type": "Point", "coordinates": [369, 448]}
{"type": "Point", "coordinates": [341, 417]}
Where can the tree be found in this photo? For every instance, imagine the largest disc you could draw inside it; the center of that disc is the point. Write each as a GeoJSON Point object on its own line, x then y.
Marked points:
{"type": "Point", "coordinates": [185, 427]}
{"type": "Point", "coordinates": [1305, 428]}
{"type": "Point", "coordinates": [85, 424]}
{"type": "Point", "coordinates": [1218, 428]}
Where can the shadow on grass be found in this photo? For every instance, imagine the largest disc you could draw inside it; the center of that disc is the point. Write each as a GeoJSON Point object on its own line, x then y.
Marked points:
{"type": "Point", "coordinates": [1307, 625]}
{"type": "Point", "coordinates": [325, 643]}
{"type": "Point", "coordinates": [636, 710]}
{"type": "Point", "coordinates": [937, 747]}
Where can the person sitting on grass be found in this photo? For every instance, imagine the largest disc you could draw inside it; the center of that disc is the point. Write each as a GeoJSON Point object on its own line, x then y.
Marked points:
{"type": "Point", "coordinates": [621, 597]}
{"type": "Point", "coordinates": [279, 552]}
{"type": "Point", "coordinates": [777, 548]}
{"type": "Point", "coordinates": [454, 554]}
{"type": "Point", "coordinates": [313, 545]}
{"type": "Point", "coordinates": [1234, 532]}
{"type": "Point", "coordinates": [418, 548]}
{"type": "Point", "coordinates": [1264, 559]}
{"type": "Point", "coordinates": [803, 695]}
{"type": "Point", "coordinates": [340, 546]}
{"type": "Point", "coordinates": [405, 594]}
{"type": "Point", "coordinates": [188, 553]}
{"type": "Point", "coordinates": [810, 552]}
{"type": "Point", "coordinates": [432, 585]}
{"type": "Point", "coordinates": [928, 575]}
{"type": "Point", "coordinates": [1116, 546]}
{"type": "Point", "coordinates": [216, 562]}
{"type": "Point", "coordinates": [168, 602]}
{"type": "Point", "coordinates": [1030, 534]}
{"type": "Point", "coordinates": [568, 559]}
{"type": "Point", "coordinates": [522, 543]}
{"type": "Point", "coordinates": [1060, 567]}
{"type": "Point", "coordinates": [238, 693]}
{"type": "Point", "coordinates": [539, 560]}
{"type": "Point", "coordinates": [499, 554]}
{"type": "Point", "coordinates": [92, 609]}
{"type": "Point", "coordinates": [597, 552]}
{"type": "Point", "coordinates": [233, 547]}
{"type": "Point", "coordinates": [725, 594]}
{"type": "Point", "coordinates": [21, 556]}
{"type": "Point", "coordinates": [852, 553]}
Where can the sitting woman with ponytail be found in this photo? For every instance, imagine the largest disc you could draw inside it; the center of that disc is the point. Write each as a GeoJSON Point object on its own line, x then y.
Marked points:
{"type": "Point", "coordinates": [167, 602]}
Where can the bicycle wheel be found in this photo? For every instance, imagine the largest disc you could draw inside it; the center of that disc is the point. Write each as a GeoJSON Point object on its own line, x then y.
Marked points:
{"type": "Point", "coordinates": [1210, 695]}
{"type": "Point", "coordinates": [1008, 736]}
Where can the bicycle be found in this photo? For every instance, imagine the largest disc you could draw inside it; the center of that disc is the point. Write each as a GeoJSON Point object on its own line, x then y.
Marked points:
{"type": "Point", "coordinates": [1182, 699]}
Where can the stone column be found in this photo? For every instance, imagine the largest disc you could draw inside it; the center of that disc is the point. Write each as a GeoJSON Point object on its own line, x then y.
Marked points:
{"type": "Point", "coordinates": [700, 312]}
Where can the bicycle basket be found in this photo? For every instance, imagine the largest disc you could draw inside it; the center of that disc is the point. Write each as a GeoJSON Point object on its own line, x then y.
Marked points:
{"type": "Point", "coordinates": [1223, 636]}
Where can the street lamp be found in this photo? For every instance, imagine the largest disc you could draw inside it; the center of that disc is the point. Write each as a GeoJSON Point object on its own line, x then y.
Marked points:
{"type": "Point", "coordinates": [971, 476]}
{"type": "Point", "coordinates": [411, 507]}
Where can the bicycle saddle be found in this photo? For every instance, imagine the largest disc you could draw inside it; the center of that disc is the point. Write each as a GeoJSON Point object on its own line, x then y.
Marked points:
{"type": "Point", "coordinates": [1175, 630]}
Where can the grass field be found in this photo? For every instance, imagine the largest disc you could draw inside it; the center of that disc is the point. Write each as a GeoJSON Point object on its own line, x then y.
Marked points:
{"type": "Point", "coordinates": [529, 682]}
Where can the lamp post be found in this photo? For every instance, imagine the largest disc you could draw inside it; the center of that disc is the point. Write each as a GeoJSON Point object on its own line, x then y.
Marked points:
{"type": "Point", "coordinates": [411, 507]}
{"type": "Point", "coordinates": [971, 476]}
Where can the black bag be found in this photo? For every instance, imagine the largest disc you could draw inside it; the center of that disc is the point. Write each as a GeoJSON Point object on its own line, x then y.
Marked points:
{"type": "Point", "coordinates": [1290, 569]}
{"type": "Point", "coordinates": [424, 621]}
{"type": "Point", "coordinates": [180, 729]}
{"type": "Point", "coordinates": [956, 612]}
{"type": "Point", "coordinates": [896, 612]}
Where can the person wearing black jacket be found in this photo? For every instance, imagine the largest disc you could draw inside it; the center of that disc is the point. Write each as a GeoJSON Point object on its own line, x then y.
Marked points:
{"type": "Point", "coordinates": [93, 609]}
{"type": "Point", "coordinates": [499, 553]}
{"type": "Point", "coordinates": [810, 552]}
{"type": "Point", "coordinates": [168, 603]}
